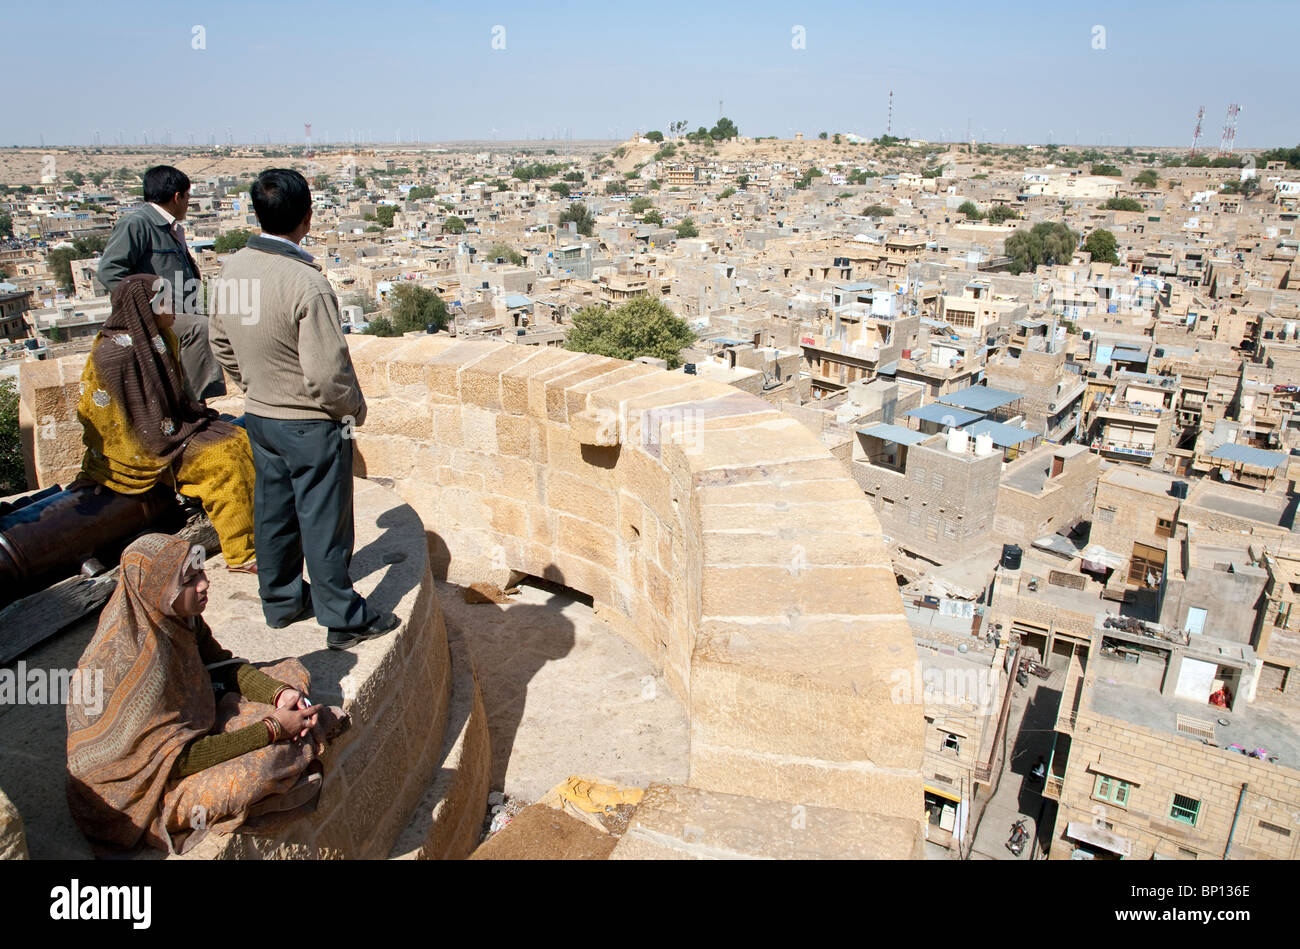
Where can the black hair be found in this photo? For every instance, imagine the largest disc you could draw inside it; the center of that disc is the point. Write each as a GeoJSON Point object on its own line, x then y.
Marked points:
{"type": "Point", "coordinates": [281, 198]}
{"type": "Point", "coordinates": [163, 182]}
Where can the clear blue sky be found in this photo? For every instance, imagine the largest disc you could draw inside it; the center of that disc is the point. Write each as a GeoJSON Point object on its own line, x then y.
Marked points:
{"type": "Point", "coordinates": [599, 70]}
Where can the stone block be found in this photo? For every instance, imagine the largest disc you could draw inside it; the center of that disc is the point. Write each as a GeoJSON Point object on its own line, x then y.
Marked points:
{"type": "Point", "coordinates": [480, 381]}
{"type": "Point", "coordinates": [588, 540]}
{"type": "Point", "coordinates": [691, 823]}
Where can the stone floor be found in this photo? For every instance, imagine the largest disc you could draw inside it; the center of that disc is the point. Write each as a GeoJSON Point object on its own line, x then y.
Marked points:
{"type": "Point", "coordinates": [33, 737]}
{"type": "Point", "coordinates": [565, 695]}
{"type": "Point", "coordinates": [1030, 729]}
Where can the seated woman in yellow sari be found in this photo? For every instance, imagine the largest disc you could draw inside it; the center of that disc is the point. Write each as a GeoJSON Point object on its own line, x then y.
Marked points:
{"type": "Point", "coordinates": [140, 428]}
{"type": "Point", "coordinates": [159, 756]}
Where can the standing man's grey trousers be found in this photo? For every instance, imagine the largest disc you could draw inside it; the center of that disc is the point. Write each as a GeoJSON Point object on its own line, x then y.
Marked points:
{"type": "Point", "coordinates": [302, 508]}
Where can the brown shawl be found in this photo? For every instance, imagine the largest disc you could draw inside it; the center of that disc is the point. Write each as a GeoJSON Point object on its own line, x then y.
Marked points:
{"type": "Point", "coordinates": [139, 374]}
{"type": "Point", "coordinates": [156, 698]}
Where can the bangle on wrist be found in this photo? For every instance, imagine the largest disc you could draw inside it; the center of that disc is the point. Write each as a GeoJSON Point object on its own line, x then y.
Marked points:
{"type": "Point", "coordinates": [274, 728]}
{"type": "Point", "coordinates": [279, 692]}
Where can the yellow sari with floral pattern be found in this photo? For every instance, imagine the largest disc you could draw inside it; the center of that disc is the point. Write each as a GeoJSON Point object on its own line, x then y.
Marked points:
{"type": "Point", "coordinates": [140, 433]}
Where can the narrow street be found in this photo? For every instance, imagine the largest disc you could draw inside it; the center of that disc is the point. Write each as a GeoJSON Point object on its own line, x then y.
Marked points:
{"type": "Point", "coordinates": [1029, 734]}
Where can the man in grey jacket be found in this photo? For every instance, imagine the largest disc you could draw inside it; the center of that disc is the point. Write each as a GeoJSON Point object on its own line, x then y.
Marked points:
{"type": "Point", "coordinates": [276, 330]}
{"type": "Point", "coordinates": [152, 241]}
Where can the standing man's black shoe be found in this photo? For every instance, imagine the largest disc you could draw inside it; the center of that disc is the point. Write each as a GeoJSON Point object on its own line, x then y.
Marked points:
{"type": "Point", "coordinates": [347, 638]}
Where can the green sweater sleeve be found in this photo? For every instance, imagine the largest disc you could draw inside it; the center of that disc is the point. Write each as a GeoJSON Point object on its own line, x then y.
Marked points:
{"type": "Point", "coordinates": [211, 750]}
{"type": "Point", "coordinates": [250, 682]}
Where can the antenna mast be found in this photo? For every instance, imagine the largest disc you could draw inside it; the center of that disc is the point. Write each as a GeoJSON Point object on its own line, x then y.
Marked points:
{"type": "Point", "coordinates": [1196, 136]}
{"type": "Point", "coordinates": [1229, 138]}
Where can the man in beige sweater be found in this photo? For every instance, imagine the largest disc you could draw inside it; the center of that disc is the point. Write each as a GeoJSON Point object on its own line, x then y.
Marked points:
{"type": "Point", "coordinates": [275, 328]}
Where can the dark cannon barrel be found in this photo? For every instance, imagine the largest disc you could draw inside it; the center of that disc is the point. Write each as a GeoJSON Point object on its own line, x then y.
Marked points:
{"type": "Point", "coordinates": [53, 534]}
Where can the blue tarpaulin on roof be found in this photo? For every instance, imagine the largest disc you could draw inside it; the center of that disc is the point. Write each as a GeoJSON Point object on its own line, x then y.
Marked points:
{"type": "Point", "coordinates": [1003, 435]}
{"type": "Point", "coordinates": [943, 414]}
{"type": "Point", "coordinates": [980, 398]}
{"type": "Point", "coordinates": [1249, 456]}
{"type": "Point", "coordinates": [893, 433]}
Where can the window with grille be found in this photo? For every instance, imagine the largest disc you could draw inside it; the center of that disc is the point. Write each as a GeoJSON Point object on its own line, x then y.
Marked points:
{"type": "Point", "coordinates": [1147, 566]}
{"type": "Point", "coordinates": [1111, 789]}
{"type": "Point", "coordinates": [1164, 528]}
{"type": "Point", "coordinates": [1184, 809]}
{"type": "Point", "coordinates": [952, 743]}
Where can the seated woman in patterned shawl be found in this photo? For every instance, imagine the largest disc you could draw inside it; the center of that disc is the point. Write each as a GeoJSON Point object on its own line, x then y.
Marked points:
{"type": "Point", "coordinates": [182, 737]}
{"type": "Point", "coordinates": [140, 428]}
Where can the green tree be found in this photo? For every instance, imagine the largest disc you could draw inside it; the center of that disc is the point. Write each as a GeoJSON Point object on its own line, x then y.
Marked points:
{"type": "Point", "coordinates": [416, 308]}
{"type": "Point", "coordinates": [60, 259]}
{"type": "Point", "coordinates": [1107, 171]}
{"type": "Point", "coordinates": [13, 477]}
{"type": "Point", "coordinates": [6, 224]}
{"type": "Point", "coordinates": [575, 176]}
{"type": "Point", "coordinates": [536, 170]}
{"type": "Point", "coordinates": [823, 136]}
{"type": "Point", "coordinates": [505, 250]}
{"type": "Point", "coordinates": [1101, 244]}
{"type": "Point", "coordinates": [561, 189]}
{"type": "Point", "coordinates": [742, 181]}
{"type": "Point", "coordinates": [640, 327]}
{"type": "Point", "coordinates": [76, 177]}
{"type": "Point", "coordinates": [385, 214]}
{"type": "Point", "coordinates": [1289, 155]}
{"type": "Point", "coordinates": [652, 217]}
{"type": "Point", "coordinates": [640, 205]}
{"type": "Point", "coordinates": [1045, 243]}
{"type": "Point", "coordinates": [655, 136]}
{"type": "Point", "coordinates": [1147, 178]}
{"type": "Point", "coordinates": [615, 187]}
{"type": "Point", "coordinates": [687, 229]}
{"type": "Point", "coordinates": [807, 178]}
{"type": "Point", "coordinates": [578, 214]}
{"type": "Point", "coordinates": [972, 212]}
{"type": "Point", "coordinates": [453, 225]}
{"type": "Point", "coordinates": [668, 151]}
{"type": "Point", "coordinates": [1001, 212]}
{"type": "Point", "coordinates": [1121, 204]}
{"type": "Point", "coordinates": [726, 193]}
{"type": "Point", "coordinates": [381, 326]}
{"type": "Point", "coordinates": [877, 210]}
{"type": "Point", "coordinates": [421, 192]}
{"type": "Point", "coordinates": [725, 129]}
{"type": "Point", "coordinates": [231, 240]}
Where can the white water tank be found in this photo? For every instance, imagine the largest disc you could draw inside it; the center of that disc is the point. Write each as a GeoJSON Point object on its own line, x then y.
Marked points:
{"type": "Point", "coordinates": [983, 445]}
{"type": "Point", "coordinates": [958, 441]}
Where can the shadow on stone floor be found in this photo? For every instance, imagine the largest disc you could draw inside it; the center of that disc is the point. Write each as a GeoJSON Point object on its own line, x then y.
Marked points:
{"type": "Point", "coordinates": [564, 694]}
{"type": "Point", "coordinates": [534, 635]}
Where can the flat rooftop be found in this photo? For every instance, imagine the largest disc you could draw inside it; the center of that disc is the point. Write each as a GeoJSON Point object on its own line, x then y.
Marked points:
{"type": "Point", "coordinates": [1274, 510]}
{"type": "Point", "coordinates": [1126, 476]}
{"type": "Point", "coordinates": [1251, 726]}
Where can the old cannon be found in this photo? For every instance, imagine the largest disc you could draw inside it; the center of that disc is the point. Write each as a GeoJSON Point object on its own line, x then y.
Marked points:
{"type": "Point", "coordinates": [52, 534]}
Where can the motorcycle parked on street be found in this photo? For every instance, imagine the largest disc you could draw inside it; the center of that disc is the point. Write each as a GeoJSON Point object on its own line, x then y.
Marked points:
{"type": "Point", "coordinates": [1019, 836]}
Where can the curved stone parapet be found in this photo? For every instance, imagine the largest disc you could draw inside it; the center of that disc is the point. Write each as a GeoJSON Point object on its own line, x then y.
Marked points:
{"type": "Point", "coordinates": [398, 690]}
{"type": "Point", "coordinates": [717, 535]}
